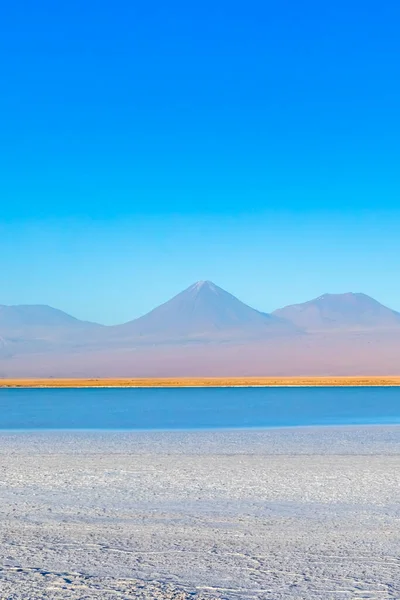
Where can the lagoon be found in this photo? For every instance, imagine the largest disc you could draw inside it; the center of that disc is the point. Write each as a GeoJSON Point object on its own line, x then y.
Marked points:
{"type": "Point", "coordinates": [196, 408]}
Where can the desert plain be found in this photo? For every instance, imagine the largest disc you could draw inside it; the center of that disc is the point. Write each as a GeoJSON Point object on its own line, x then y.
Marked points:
{"type": "Point", "coordinates": [279, 514]}
{"type": "Point", "coordinates": [355, 381]}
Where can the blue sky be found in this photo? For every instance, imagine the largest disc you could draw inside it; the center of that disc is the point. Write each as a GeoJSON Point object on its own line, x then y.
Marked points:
{"type": "Point", "coordinates": [146, 145]}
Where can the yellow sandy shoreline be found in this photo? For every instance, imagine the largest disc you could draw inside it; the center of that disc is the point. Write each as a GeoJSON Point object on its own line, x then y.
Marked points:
{"type": "Point", "coordinates": [203, 382]}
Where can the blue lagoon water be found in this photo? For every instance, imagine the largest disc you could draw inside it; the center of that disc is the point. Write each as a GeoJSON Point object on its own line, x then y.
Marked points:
{"type": "Point", "coordinates": [196, 408]}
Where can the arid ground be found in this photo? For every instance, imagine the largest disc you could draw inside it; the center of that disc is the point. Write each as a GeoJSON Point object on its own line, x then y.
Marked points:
{"type": "Point", "coordinates": [203, 382]}
{"type": "Point", "coordinates": [283, 514]}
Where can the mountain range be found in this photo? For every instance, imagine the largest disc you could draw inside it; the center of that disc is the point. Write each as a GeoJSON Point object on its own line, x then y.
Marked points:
{"type": "Point", "coordinates": [205, 330]}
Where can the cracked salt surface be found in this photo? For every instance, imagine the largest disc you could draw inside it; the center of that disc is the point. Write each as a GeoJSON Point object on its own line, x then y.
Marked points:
{"type": "Point", "coordinates": [277, 514]}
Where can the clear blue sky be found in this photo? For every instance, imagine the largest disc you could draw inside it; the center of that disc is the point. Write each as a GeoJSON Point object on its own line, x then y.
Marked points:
{"type": "Point", "coordinates": [146, 145]}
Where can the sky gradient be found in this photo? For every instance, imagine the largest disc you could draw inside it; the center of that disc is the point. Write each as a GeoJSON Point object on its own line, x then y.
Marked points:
{"type": "Point", "coordinates": [147, 145]}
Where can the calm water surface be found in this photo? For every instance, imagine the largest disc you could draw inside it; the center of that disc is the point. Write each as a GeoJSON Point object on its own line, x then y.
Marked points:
{"type": "Point", "coordinates": [196, 408]}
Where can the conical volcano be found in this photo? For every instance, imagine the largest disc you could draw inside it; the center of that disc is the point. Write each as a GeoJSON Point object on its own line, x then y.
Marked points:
{"type": "Point", "coordinates": [205, 311]}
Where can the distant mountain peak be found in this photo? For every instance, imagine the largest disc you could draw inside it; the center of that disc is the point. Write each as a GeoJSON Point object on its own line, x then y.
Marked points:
{"type": "Point", "coordinates": [206, 290]}
{"type": "Point", "coordinates": [330, 295]}
{"type": "Point", "coordinates": [348, 311]}
{"type": "Point", "coordinates": [205, 311]}
{"type": "Point", "coordinates": [342, 296]}
{"type": "Point", "coordinates": [203, 285]}
{"type": "Point", "coordinates": [35, 315]}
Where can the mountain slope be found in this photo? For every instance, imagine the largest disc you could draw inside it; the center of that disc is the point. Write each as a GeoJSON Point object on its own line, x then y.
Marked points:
{"type": "Point", "coordinates": [349, 312]}
{"type": "Point", "coordinates": [204, 311]}
{"type": "Point", "coordinates": [26, 315]}
{"type": "Point", "coordinates": [27, 329]}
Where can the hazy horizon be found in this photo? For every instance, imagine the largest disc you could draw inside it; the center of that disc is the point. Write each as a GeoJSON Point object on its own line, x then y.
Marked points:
{"type": "Point", "coordinates": [340, 295]}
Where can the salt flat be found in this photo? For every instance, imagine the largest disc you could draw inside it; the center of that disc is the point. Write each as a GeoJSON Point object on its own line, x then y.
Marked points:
{"type": "Point", "coordinates": [275, 514]}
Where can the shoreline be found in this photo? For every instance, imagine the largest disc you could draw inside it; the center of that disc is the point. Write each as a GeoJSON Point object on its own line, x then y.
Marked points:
{"type": "Point", "coordinates": [199, 382]}
{"type": "Point", "coordinates": [54, 431]}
